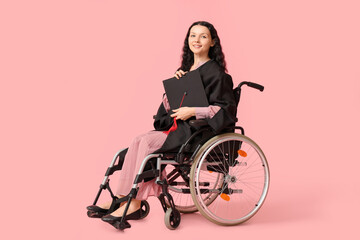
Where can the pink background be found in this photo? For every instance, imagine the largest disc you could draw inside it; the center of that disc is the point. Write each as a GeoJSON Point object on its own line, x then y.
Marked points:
{"type": "Point", "coordinates": [80, 79]}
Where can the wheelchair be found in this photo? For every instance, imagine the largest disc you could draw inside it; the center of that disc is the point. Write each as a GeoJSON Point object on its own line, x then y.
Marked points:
{"type": "Point", "coordinates": [223, 176]}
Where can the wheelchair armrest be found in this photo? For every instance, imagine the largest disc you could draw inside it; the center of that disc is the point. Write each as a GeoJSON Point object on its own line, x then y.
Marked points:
{"type": "Point", "coordinates": [198, 123]}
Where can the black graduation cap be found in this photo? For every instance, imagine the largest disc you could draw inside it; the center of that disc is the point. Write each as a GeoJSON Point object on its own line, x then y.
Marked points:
{"type": "Point", "coordinates": [188, 91]}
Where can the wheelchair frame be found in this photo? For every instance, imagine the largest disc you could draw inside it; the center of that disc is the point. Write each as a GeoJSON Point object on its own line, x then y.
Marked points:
{"type": "Point", "coordinates": [181, 158]}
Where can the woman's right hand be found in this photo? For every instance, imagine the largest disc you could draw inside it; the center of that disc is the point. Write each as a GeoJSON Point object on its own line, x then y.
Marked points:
{"type": "Point", "coordinates": [179, 73]}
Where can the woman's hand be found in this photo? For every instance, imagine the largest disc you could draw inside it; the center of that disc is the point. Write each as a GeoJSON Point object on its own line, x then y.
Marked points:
{"type": "Point", "coordinates": [179, 73]}
{"type": "Point", "coordinates": [183, 113]}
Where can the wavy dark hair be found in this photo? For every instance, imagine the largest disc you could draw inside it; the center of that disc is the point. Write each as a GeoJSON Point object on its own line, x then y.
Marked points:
{"type": "Point", "coordinates": [215, 52]}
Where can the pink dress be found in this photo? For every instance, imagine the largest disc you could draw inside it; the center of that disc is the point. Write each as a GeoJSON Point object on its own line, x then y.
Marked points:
{"type": "Point", "coordinates": [145, 144]}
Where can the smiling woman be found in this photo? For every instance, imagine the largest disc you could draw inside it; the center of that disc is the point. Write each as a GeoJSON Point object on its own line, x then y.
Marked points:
{"type": "Point", "coordinates": [202, 52]}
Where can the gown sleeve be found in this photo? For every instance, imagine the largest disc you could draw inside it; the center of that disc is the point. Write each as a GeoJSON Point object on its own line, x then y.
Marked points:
{"type": "Point", "coordinates": [220, 93]}
{"type": "Point", "coordinates": [166, 103]}
{"type": "Point", "coordinates": [162, 119]}
{"type": "Point", "coordinates": [206, 112]}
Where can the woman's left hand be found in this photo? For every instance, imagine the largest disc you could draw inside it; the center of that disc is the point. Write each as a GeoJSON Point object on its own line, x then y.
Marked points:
{"type": "Point", "coordinates": [183, 113]}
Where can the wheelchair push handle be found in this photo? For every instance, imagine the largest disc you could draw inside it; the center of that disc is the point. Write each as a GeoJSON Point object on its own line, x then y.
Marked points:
{"type": "Point", "coordinates": [253, 85]}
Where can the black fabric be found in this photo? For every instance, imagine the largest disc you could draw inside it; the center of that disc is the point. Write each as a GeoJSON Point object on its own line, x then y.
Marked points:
{"type": "Point", "coordinates": [218, 87]}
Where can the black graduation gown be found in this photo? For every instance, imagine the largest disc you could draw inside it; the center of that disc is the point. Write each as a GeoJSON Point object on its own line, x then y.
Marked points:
{"type": "Point", "coordinates": [218, 87]}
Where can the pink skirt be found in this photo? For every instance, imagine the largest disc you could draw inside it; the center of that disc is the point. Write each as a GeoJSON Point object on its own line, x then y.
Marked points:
{"type": "Point", "coordinates": [140, 147]}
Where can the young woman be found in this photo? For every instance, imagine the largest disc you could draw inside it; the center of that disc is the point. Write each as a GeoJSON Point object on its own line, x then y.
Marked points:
{"type": "Point", "coordinates": [202, 51]}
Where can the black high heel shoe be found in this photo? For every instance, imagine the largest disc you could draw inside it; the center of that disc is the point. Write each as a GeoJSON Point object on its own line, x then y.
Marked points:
{"type": "Point", "coordinates": [138, 214]}
{"type": "Point", "coordinates": [96, 212]}
{"type": "Point", "coordinates": [132, 216]}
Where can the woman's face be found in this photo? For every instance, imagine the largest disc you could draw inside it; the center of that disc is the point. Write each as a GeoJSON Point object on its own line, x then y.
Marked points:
{"type": "Point", "coordinates": [200, 40]}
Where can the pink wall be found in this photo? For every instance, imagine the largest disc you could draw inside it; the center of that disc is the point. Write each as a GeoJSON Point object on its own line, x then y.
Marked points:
{"type": "Point", "coordinates": [70, 69]}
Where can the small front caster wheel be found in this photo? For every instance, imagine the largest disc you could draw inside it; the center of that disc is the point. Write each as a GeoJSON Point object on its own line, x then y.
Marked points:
{"type": "Point", "coordinates": [172, 218]}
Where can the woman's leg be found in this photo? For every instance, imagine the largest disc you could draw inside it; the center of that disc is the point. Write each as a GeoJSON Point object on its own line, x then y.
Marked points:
{"type": "Point", "coordinates": [140, 147]}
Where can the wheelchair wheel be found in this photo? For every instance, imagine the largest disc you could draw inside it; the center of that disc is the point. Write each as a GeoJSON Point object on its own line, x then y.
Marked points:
{"type": "Point", "coordinates": [244, 179]}
{"type": "Point", "coordinates": [172, 218]}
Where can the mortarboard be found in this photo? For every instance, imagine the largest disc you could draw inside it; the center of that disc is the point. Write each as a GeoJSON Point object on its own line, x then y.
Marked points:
{"type": "Point", "coordinates": [188, 91]}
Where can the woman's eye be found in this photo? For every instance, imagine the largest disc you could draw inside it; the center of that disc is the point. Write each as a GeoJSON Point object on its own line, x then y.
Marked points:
{"type": "Point", "coordinates": [201, 36]}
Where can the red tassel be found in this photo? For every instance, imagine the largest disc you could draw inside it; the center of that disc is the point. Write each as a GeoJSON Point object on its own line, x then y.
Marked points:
{"type": "Point", "coordinates": [174, 126]}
